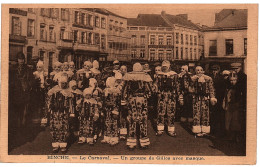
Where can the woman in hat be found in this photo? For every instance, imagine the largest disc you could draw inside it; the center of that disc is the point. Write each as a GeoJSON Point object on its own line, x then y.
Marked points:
{"type": "Point", "coordinates": [233, 110]}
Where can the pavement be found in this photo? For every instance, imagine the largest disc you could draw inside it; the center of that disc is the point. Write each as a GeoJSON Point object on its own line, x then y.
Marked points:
{"type": "Point", "coordinates": [37, 141]}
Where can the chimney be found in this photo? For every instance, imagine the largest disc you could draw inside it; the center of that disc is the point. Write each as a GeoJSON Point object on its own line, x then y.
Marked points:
{"type": "Point", "coordinates": [184, 16]}
{"type": "Point", "coordinates": [163, 13]}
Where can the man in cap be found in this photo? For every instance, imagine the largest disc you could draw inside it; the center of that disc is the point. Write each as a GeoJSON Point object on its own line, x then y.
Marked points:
{"type": "Point", "coordinates": [168, 91]}
{"type": "Point", "coordinates": [242, 87]}
{"type": "Point", "coordinates": [204, 94]}
{"type": "Point", "coordinates": [136, 91]}
{"type": "Point", "coordinates": [84, 75]}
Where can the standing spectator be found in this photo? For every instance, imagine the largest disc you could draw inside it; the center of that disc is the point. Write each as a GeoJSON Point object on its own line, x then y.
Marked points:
{"type": "Point", "coordinates": [20, 86]}
{"type": "Point", "coordinates": [233, 111]}
{"type": "Point", "coordinates": [217, 115]}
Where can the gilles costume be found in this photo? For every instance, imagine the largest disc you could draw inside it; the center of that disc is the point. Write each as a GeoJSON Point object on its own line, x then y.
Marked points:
{"type": "Point", "coordinates": [88, 115]}
{"type": "Point", "coordinates": [186, 90]}
{"type": "Point", "coordinates": [60, 106]}
{"type": "Point", "coordinates": [137, 90]}
{"type": "Point", "coordinates": [112, 101]}
{"type": "Point", "coordinates": [204, 93]}
{"type": "Point", "coordinates": [168, 91]}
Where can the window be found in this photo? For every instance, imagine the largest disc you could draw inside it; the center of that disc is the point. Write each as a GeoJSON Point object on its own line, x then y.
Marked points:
{"type": "Point", "coordinates": [186, 53]}
{"type": "Point", "coordinates": [191, 54]}
{"type": "Point", "coordinates": [133, 39]}
{"type": "Point", "coordinates": [50, 58]}
{"type": "Point", "coordinates": [229, 46]}
{"type": "Point", "coordinates": [160, 40]}
{"type": "Point", "coordinates": [142, 53]}
{"type": "Point", "coordinates": [42, 53]}
{"type": "Point", "coordinates": [45, 12]}
{"type": "Point", "coordinates": [110, 45]}
{"type": "Point", "coordinates": [160, 55]}
{"type": "Point", "coordinates": [181, 38]}
{"type": "Point", "coordinates": [245, 46]}
{"type": "Point", "coordinates": [97, 21]}
{"type": "Point", "coordinates": [152, 39]}
{"type": "Point", "coordinates": [83, 37]}
{"type": "Point", "coordinates": [169, 54]}
{"type": "Point", "coordinates": [90, 38]}
{"type": "Point", "coordinates": [76, 17]}
{"type": "Point", "coordinates": [191, 42]}
{"type": "Point", "coordinates": [195, 40]}
{"type": "Point", "coordinates": [43, 33]}
{"type": "Point", "coordinates": [103, 23]}
{"type": "Point", "coordinates": [97, 39]}
{"type": "Point", "coordinates": [142, 39]}
{"type": "Point", "coordinates": [187, 39]}
{"type": "Point", "coordinates": [177, 53]}
{"type": "Point", "coordinates": [83, 19]}
{"type": "Point", "coordinates": [31, 10]}
{"type": "Point", "coordinates": [195, 54]}
{"type": "Point", "coordinates": [152, 54]}
{"type": "Point", "coordinates": [30, 30]}
{"type": "Point", "coordinates": [51, 34]}
{"type": "Point", "coordinates": [103, 41]}
{"type": "Point", "coordinates": [64, 14]}
{"type": "Point", "coordinates": [54, 13]}
{"type": "Point", "coordinates": [75, 35]}
{"type": "Point", "coordinates": [90, 21]}
{"type": "Point", "coordinates": [16, 26]}
{"type": "Point", "coordinates": [213, 48]}
{"type": "Point", "coordinates": [62, 32]}
{"type": "Point", "coordinates": [181, 53]}
{"type": "Point", "coordinates": [133, 54]}
{"type": "Point", "coordinates": [169, 40]}
{"type": "Point", "coordinates": [29, 53]}
{"type": "Point", "coordinates": [177, 38]}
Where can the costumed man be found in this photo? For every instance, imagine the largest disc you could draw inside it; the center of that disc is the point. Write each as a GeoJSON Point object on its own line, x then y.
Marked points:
{"type": "Point", "coordinates": [136, 91]}
{"type": "Point", "coordinates": [40, 77]}
{"type": "Point", "coordinates": [186, 91]}
{"type": "Point", "coordinates": [74, 114]}
{"type": "Point", "coordinates": [147, 69]}
{"type": "Point", "coordinates": [168, 91]}
{"type": "Point", "coordinates": [21, 81]}
{"type": "Point", "coordinates": [108, 72]}
{"type": "Point", "coordinates": [96, 73]}
{"type": "Point", "coordinates": [56, 69]}
{"type": "Point", "coordinates": [60, 103]}
{"type": "Point", "coordinates": [204, 93]}
{"type": "Point", "coordinates": [123, 70]}
{"type": "Point", "coordinates": [119, 84]}
{"type": "Point", "coordinates": [98, 96]}
{"type": "Point", "coordinates": [67, 71]}
{"type": "Point", "coordinates": [88, 115]}
{"type": "Point", "coordinates": [72, 69]}
{"type": "Point", "coordinates": [112, 102]}
{"type": "Point", "coordinates": [84, 75]}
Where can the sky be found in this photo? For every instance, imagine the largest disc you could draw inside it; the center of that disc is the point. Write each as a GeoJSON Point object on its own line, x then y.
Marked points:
{"type": "Point", "coordinates": [203, 16]}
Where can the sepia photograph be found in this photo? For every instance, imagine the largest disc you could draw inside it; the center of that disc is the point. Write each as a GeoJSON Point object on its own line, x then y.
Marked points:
{"type": "Point", "coordinates": [129, 83]}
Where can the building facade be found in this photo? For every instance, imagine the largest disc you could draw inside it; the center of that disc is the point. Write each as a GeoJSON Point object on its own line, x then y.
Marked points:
{"type": "Point", "coordinates": [63, 34]}
{"type": "Point", "coordinates": [118, 38]}
{"type": "Point", "coordinates": [158, 37]}
{"type": "Point", "coordinates": [226, 41]}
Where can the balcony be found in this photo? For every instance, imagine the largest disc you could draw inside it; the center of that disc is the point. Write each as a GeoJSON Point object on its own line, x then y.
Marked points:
{"type": "Point", "coordinates": [17, 38]}
{"type": "Point", "coordinates": [79, 25]}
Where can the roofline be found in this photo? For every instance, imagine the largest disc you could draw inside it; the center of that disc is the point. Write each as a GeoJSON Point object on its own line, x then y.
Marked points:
{"type": "Point", "coordinates": [225, 29]}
